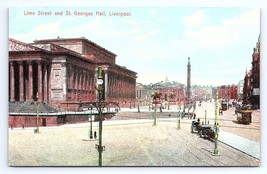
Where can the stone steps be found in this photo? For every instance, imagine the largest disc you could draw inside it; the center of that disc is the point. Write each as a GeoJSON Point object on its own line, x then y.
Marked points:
{"type": "Point", "coordinates": [30, 107]}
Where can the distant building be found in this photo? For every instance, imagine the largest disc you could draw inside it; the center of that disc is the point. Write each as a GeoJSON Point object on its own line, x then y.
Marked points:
{"type": "Point", "coordinates": [172, 92]}
{"type": "Point", "coordinates": [240, 87]}
{"type": "Point", "coordinates": [143, 94]}
{"type": "Point", "coordinates": [227, 92]}
{"type": "Point", "coordinates": [251, 89]}
{"type": "Point", "coordinates": [247, 88]}
{"type": "Point", "coordinates": [200, 93]}
{"type": "Point", "coordinates": [255, 76]}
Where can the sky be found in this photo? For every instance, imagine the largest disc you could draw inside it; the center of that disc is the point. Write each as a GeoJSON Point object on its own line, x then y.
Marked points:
{"type": "Point", "coordinates": [156, 42]}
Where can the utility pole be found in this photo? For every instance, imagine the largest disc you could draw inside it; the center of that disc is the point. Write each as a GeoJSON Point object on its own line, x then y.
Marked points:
{"type": "Point", "coordinates": [37, 115]}
{"type": "Point", "coordinates": [91, 129]}
{"type": "Point", "coordinates": [188, 91]}
{"type": "Point", "coordinates": [100, 148]}
{"type": "Point", "coordinates": [179, 116]}
{"type": "Point", "coordinates": [155, 117]}
{"type": "Point", "coordinates": [216, 126]}
{"type": "Point", "coordinates": [205, 117]}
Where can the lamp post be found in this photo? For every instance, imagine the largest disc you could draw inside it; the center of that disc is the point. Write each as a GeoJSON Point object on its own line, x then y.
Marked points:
{"type": "Point", "coordinates": [100, 148]}
{"type": "Point", "coordinates": [91, 131]}
{"type": "Point", "coordinates": [216, 126]}
{"type": "Point", "coordinates": [155, 117]}
{"type": "Point", "coordinates": [179, 116]}
{"type": "Point", "coordinates": [37, 115]}
{"type": "Point", "coordinates": [205, 117]}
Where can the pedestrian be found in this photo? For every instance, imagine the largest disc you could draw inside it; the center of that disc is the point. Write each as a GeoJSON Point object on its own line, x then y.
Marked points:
{"type": "Point", "coordinates": [95, 135]}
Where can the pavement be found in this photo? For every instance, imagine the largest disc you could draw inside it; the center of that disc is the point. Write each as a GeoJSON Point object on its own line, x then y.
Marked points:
{"type": "Point", "coordinates": [245, 145]}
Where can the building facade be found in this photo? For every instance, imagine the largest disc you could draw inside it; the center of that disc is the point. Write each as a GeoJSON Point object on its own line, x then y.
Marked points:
{"type": "Point", "coordinates": [228, 92]}
{"type": "Point", "coordinates": [201, 93]}
{"type": "Point", "coordinates": [255, 76]}
{"type": "Point", "coordinates": [172, 92]}
{"type": "Point", "coordinates": [240, 87]}
{"type": "Point", "coordinates": [64, 70]}
{"type": "Point", "coordinates": [62, 73]}
{"type": "Point", "coordinates": [251, 89]}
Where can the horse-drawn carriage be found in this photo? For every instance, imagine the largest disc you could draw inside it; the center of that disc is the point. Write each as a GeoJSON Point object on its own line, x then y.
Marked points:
{"type": "Point", "coordinates": [195, 126]}
{"type": "Point", "coordinates": [224, 106]}
{"type": "Point", "coordinates": [244, 114]}
{"type": "Point", "coordinates": [204, 131]}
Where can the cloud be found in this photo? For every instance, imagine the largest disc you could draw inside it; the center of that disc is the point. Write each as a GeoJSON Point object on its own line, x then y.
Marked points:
{"type": "Point", "coordinates": [194, 21]}
{"type": "Point", "coordinates": [153, 32]}
{"type": "Point", "coordinates": [153, 11]}
{"type": "Point", "coordinates": [130, 21]}
{"type": "Point", "coordinates": [226, 71]}
{"type": "Point", "coordinates": [228, 33]}
{"type": "Point", "coordinates": [163, 19]}
{"type": "Point", "coordinates": [45, 28]}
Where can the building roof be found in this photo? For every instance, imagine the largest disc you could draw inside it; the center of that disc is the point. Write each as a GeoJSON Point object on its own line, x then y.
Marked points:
{"type": "Point", "coordinates": [73, 39]}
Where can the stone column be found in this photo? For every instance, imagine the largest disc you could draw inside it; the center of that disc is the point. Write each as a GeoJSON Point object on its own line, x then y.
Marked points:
{"type": "Point", "coordinates": [84, 81]}
{"type": "Point", "coordinates": [21, 82]}
{"type": "Point", "coordinates": [30, 83]}
{"type": "Point", "coordinates": [45, 82]}
{"type": "Point", "coordinates": [86, 85]}
{"type": "Point", "coordinates": [76, 84]}
{"type": "Point", "coordinates": [48, 81]}
{"type": "Point", "coordinates": [82, 84]}
{"type": "Point", "coordinates": [80, 79]}
{"type": "Point", "coordinates": [70, 80]}
{"type": "Point", "coordinates": [65, 76]}
{"type": "Point", "coordinates": [40, 83]}
{"type": "Point", "coordinates": [12, 81]}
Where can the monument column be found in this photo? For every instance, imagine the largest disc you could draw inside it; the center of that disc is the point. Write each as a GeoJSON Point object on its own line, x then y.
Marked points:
{"type": "Point", "coordinates": [188, 92]}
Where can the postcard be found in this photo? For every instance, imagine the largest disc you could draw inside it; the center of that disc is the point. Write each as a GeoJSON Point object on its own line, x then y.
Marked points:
{"type": "Point", "coordinates": [136, 86]}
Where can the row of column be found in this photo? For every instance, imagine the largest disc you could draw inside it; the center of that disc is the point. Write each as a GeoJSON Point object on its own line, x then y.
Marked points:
{"type": "Point", "coordinates": [81, 83]}
{"type": "Point", "coordinates": [25, 86]}
{"type": "Point", "coordinates": [121, 87]}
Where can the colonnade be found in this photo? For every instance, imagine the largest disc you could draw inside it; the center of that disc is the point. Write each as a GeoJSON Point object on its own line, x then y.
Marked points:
{"type": "Point", "coordinates": [81, 84]}
{"type": "Point", "coordinates": [29, 78]}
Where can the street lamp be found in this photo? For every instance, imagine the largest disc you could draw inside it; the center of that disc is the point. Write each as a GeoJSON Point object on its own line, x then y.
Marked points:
{"type": "Point", "coordinates": [91, 131]}
{"type": "Point", "coordinates": [37, 115]}
{"type": "Point", "coordinates": [216, 126]}
{"type": "Point", "coordinates": [179, 118]}
{"type": "Point", "coordinates": [100, 81]}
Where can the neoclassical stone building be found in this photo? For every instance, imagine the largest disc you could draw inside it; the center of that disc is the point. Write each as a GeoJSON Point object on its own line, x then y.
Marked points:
{"type": "Point", "coordinates": [63, 71]}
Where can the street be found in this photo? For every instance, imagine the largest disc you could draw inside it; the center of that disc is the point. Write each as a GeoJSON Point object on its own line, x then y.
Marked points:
{"type": "Point", "coordinates": [133, 142]}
